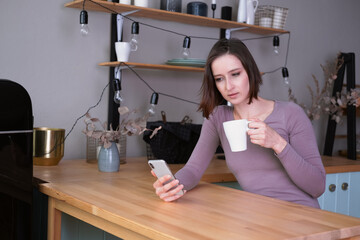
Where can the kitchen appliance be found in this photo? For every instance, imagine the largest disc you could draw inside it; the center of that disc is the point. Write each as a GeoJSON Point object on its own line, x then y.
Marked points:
{"type": "Point", "coordinates": [16, 167]}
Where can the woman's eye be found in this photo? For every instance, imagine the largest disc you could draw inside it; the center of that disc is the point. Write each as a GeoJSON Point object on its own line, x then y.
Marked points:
{"type": "Point", "coordinates": [236, 74]}
{"type": "Point", "coordinates": [218, 79]}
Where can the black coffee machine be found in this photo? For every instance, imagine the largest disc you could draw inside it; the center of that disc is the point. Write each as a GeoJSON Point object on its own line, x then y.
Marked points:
{"type": "Point", "coordinates": [16, 166]}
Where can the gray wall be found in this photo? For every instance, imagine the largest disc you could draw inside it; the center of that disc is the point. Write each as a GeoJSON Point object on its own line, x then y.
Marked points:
{"type": "Point", "coordinates": [42, 49]}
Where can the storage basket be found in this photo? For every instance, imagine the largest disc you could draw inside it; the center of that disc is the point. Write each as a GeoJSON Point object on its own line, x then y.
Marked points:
{"type": "Point", "coordinates": [174, 142]}
{"type": "Point", "coordinates": [271, 16]}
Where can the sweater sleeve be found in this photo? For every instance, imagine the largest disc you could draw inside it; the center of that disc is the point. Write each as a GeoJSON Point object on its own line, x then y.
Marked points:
{"type": "Point", "coordinates": [300, 157]}
{"type": "Point", "coordinates": [201, 156]}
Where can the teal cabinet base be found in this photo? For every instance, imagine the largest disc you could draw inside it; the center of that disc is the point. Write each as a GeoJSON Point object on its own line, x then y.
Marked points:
{"type": "Point", "coordinates": [342, 194]}
{"type": "Point", "coordinates": [75, 229]}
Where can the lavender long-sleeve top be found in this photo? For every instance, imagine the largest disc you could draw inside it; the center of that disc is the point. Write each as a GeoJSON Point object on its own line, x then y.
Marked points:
{"type": "Point", "coordinates": [296, 174]}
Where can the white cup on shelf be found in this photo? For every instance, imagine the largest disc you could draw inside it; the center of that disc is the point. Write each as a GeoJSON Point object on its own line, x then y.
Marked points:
{"type": "Point", "coordinates": [125, 2]}
{"type": "Point", "coordinates": [122, 50]}
{"type": "Point", "coordinates": [141, 3]}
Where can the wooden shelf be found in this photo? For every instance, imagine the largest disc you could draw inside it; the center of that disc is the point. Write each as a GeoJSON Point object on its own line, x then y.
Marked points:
{"type": "Point", "coordinates": [110, 7]}
{"type": "Point", "coordinates": [154, 66]}
{"type": "Point", "coordinates": [343, 153]}
{"type": "Point", "coordinates": [357, 112]}
{"type": "Point", "coordinates": [345, 136]}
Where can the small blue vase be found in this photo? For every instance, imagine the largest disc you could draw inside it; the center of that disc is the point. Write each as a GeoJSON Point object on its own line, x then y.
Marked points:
{"type": "Point", "coordinates": [109, 159]}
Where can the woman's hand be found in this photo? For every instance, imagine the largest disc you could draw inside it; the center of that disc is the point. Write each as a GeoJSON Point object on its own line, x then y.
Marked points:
{"type": "Point", "coordinates": [263, 135]}
{"type": "Point", "coordinates": [167, 191]}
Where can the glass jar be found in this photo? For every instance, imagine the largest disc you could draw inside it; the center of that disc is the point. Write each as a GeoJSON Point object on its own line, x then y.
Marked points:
{"type": "Point", "coordinates": [171, 5]}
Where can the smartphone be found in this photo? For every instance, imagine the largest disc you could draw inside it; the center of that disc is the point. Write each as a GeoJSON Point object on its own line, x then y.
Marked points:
{"type": "Point", "coordinates": [161, 169]}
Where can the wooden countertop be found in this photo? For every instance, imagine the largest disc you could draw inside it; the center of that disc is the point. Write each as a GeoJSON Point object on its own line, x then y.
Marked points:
{"type": "Point", "coordinates": [337, 164]}
{"type": "Point", "coordinates": [75, 170]}
{"type": "Point", "coordinates": [126, 200]}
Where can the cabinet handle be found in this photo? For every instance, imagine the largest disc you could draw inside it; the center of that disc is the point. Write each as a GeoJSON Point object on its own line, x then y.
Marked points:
{"type": "Point", "coordinates": [345, 186]}
{"type": "Point", "coordinates": [332, 187]}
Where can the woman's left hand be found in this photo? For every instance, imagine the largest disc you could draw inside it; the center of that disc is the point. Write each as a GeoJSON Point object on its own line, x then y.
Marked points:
{"type": "Point", "coordinates": [260, 133]}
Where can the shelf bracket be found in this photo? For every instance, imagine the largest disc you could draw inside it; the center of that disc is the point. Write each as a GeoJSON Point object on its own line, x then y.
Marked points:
{"type": "Point", "coordinates": [229, 30]}
{"type": "Point", "coordinates": [120, 23]}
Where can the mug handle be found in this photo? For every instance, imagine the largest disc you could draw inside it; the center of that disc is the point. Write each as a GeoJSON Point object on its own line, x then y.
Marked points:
{"type": "Point", "coordinates": [256, 5]}
{"type": "Point", "coordinates": [247, 125]}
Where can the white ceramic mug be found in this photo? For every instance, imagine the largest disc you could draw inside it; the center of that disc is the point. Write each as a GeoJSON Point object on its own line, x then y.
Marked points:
{"type": "Point", "coordinates": [141, 3]}
{"type": "Point", "coordinates": [251, 7]}
{"type": "Point", "coordinates": [122, 50]}
{"type": "Point", "coordinates": [242, 10]}
{"type": "Point", "coordinates": [236, 134]}
{"type": "Point", "coordinates": [125, 2]}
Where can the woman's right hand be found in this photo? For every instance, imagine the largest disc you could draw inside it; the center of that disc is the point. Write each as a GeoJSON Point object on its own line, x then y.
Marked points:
{"type": "Point", "coordinates": [168, 191]}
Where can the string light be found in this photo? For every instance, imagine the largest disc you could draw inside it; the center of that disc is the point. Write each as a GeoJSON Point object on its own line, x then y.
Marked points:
{"type": "Point", "coordinates": [285, 74]}
{"type": "Point", "coordinates": [84, 28]}
{"type": "Point", "coordinates": [134, 36]}
{"type": "Point", "coordinates": [186, 48]}
{"type": "Point", "coordinates": [153, 102]}
{"type": "Point", "coordinates": [276, 44]}
{"type": "Point", "coordinates": [117, 88]}
{"type": "Point", "coordinates": [284, 69]}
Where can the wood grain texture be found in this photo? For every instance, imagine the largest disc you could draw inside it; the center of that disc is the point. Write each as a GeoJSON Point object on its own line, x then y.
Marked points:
{"type": "Point", "coordinates": [75, 170]}
{"type": "Point", "coordinates": [124, 204]}
{"type": "Point", "coordinates": [206, 212]}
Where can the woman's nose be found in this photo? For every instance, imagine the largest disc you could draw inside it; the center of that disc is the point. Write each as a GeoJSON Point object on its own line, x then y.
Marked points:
{"type": "Point", "coordinates": [228, 84]}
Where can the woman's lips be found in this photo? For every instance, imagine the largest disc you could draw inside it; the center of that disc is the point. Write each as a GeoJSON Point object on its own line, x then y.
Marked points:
{"type": "Point", "coordinates": [232, 95]}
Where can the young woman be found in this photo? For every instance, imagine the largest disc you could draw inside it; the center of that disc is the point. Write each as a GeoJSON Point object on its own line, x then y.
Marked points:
{"type": "Point", "coordinates": [282, 159]}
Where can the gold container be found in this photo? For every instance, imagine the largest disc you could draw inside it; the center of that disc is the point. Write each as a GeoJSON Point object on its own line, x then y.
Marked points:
{"type": "Point", "coordinates": [48, 146]}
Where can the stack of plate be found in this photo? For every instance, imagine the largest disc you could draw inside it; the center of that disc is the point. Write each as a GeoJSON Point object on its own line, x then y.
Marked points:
{"type": "Point", "coordinates": [191, 62]}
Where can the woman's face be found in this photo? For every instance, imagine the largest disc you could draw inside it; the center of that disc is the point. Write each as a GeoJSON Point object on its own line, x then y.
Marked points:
{"type": "Point", "coordinates": [231, 79]}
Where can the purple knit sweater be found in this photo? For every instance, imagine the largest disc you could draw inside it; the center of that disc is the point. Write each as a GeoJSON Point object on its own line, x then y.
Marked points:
{"type": "Point", "coordinates": [296, 174]}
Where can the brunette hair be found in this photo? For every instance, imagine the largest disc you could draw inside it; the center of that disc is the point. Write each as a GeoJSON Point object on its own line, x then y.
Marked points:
{"type": "Point", "coordinates": [211, 97]}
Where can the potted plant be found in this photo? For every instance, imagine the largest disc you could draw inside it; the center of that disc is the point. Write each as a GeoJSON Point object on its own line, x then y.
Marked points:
{"type": "Point", "coordinates": [108, 158]}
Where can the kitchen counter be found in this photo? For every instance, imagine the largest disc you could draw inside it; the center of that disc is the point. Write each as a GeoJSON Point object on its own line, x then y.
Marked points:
{"type": "Point", "coordinates": [124, 204]}
{"type": "Point", "coordinates": [74, 170]}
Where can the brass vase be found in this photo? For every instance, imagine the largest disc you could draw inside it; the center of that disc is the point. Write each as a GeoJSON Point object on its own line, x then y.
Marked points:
{"type": "Point", "coordinates": [48, 146]}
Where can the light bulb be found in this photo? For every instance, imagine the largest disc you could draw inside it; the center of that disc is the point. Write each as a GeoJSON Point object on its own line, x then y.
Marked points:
{"type": "Point", "coordinates": [84, 28]}
{"type": "Point", "coordinates": [152, 109]}
{"type": "Point", "coordinates": [117, 97]}
{"type": "Point", "coordinates": [186, 48]}
{"type": "Point", "coordinates": [285, 74]}
{"type": "Point", "coordinates": [276, 50]}
{"type": "Point", "coordinates": [134, 36]}
{"type": "Point", "coordinates": [276, 44]}
{"type": "Point", "coordinates": [153, 102]}
{"type": "Point", "coordinates": [134, 42]}
{"type": "Point", "coordinates": [117, 87]}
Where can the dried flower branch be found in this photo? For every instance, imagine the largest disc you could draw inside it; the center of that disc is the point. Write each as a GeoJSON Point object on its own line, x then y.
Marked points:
{"type": "Point", "coordinates": [323, 101]}
{"type": "Point", "coordinates": [127, 127]}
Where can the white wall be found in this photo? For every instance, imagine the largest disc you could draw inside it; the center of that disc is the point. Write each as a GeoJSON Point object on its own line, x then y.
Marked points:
{"type": "Point", "coordinates": [41, 48]}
